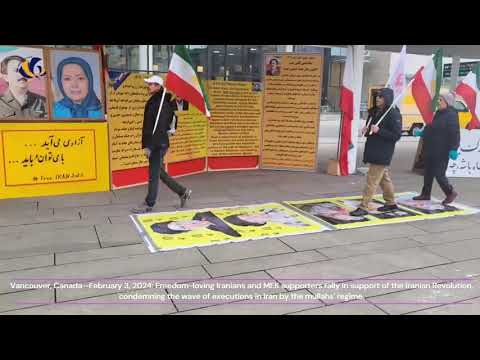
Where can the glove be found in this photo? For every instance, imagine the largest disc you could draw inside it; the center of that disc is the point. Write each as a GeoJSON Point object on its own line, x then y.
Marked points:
{"type": "Point", "coordinates": [147, 152]}
{"type": "Point", "coordinates": [453, 154]}
{"type": "Point", "coordinates": [171, 132]}
{"type": "Point", "coordinates": [417, 132]}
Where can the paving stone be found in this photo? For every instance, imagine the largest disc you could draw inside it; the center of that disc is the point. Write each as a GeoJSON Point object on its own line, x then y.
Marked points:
{"type": "Point", "coordinates": [470, 307]}
{"type": "Point", "coordinates": [36, 243]}
{"type": "Point", "coordinates": [253, 308]}
{"type": "Point", "coordinates": [210, 288]}
{"type": "Point", "coordinates": [459, 250]}
{"type": "Point", "coordinates": [132, 283]}
{"type": "Point", "coordinates": [445, 224]}
{"type": "Point", "coordinates": [76, 200]}
{"type": "Point", "coordinates": [24, 299]}
{"type": "Point", "coordinates": [104, 269]}
{"type": "Point", "coordinates": [29, 262]}
{"type": "Point", "coordinates": [263, 263]}
{"type": "Point", "coordinates": [419, 299]}
{"type": "Point", "coordinates": [99, 254]}
{"type": "Point", "coordinates": [448, 236]}
{"type": "Point", "coordinates": [457, 270]}
{"type": "Point", "coordinates": [368, 248]}
{"type": "Point", "coordinates": [343, 309]}
{"type": "Point", "coordinates": [245, 249]}
{"type": "Point", "coordinates": [106, 305]}
{"type": "Point", "coordinates": [57, 225]}
{"type": "Point", "coordinates": [118, 234]}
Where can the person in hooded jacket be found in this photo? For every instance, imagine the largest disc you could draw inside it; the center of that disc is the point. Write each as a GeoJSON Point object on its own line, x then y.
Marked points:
{"type": "Point", "coordinates": [441, 140]}
{"type": "Point", "coordinates": [379, 149]}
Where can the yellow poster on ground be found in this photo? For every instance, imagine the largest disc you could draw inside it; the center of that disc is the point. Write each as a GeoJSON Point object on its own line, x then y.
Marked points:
{"type": "Point", "coordinates": [184, 229]}
{"type": "Point", "coordinates": [126, 104]}
{"type": "Point", "coordinates": [291, 111]}
{"type": "Point", "coordinates": [336, 211]}
{"type": "Point", "coordinates": [190, 139]}
{"type": "Point", "coordinates": [234, 128]}
{"type": "Point", "coordinates": [52, 159]}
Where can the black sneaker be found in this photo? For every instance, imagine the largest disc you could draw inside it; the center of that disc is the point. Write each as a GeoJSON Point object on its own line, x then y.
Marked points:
{"type": "Point", "coordinates": [388, 208]}
{"type": "Point", "coordinates": [142, 209]}
{"type": "Point", "coordinates": [185, 197]}
{"type": "Point", "coordinates": [359, 212]}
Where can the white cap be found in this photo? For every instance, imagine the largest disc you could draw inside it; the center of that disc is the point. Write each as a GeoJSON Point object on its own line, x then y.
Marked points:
{"type": "Point", "coordinates": [155, 79]}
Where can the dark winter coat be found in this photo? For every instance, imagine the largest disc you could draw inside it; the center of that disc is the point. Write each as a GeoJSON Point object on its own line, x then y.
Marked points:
{"type": "Point", "coordinates": [442, 135]}
{"type": "Point", "coordinates": [379, 147]}
{"type": "Point", "coordinates": [150, 140]}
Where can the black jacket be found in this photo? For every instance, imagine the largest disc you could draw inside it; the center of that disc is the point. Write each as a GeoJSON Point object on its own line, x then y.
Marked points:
{"type": "Point", "coordinates": [165, 119]}
{"type": "Point", "coordinates": [379, 147]}
{"type": "Point", "coordinates": [442, 135]}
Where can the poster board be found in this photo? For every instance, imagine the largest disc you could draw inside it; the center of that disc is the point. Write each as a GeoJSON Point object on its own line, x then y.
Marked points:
{"type": "Point", "coordinates": [40, 159]}
{"type": "Point", "coordinates": [468, 161]}
{"type": "Point", "coordinates": [234, 128]}
{"type": "Point", "coordinates": [291, 107]}
{"type": "Point", "coordinates": [188, 146]}
{"type": "Point", "coordinates": [127, 96]}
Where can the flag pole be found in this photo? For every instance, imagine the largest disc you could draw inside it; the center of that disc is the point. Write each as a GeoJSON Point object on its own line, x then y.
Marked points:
{"type": "Point", "coordinates": [159, 110]}
{"type": "Point", "coordinates": [392, 105]}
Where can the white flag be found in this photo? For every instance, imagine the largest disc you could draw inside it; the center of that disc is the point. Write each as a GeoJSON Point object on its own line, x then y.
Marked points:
{"type": "Point", "coordinates": [397, 82]}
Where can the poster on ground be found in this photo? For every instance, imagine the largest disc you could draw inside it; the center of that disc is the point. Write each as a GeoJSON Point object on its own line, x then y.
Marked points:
{"type": "Point", "coordinates": [184, 229]}
{"type": "Point", "coordinates": [291, 111]}
{"type": "Point", "coordinates": [234, 128]}
{"type": "Point", "coordinates": [336, 212]}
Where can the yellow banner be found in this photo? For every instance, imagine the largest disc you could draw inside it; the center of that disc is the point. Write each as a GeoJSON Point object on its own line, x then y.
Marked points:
{"type": "Point", "coordinates": [125, 115]}
{"type": "Point", "coordinates": [234, 129]}
{"type": "Point", "coordinates": [50, 159]}
{"type": "Point", "coordinates": [184, 229]}
{"type": "Point", "coordinates": [190, 139]}
{"type": "Point", "coordinates": [293, 86]}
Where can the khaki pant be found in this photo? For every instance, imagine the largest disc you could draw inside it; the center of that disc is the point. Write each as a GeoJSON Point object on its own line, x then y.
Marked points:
{"type": "Point", "coordinates": [378, 175]}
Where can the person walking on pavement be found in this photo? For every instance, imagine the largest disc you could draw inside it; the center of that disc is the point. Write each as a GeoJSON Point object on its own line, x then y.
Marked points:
{"type": "Point", "coordinates": [155, 143]}
{"type": "Point", "coordinates": [378, 153]}
{"type": "Point", "coordinates": [441, 140]}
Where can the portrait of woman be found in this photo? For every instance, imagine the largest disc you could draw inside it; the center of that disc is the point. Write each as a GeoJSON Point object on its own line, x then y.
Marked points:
{"type": "Point", "coordinates": [263, 217]}
{"type": "Point", "coordinates": [331, 213]}
{"type": "Point", "coordinates": [76, 83]}
{"type": "Point", "coordinates": [273, 67]}
{"type": "Point", "coordinates": [205, 220]}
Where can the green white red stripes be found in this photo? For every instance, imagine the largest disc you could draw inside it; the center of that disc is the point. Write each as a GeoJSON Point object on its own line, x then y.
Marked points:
{"type": "Point", "coordinates": [184, 82]}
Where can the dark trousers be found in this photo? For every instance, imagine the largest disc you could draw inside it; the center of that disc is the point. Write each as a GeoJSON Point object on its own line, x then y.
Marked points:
{"type": "Point", "coordinates": [156, 170]}
{"type": "Point", "coordinates": [435, 169]}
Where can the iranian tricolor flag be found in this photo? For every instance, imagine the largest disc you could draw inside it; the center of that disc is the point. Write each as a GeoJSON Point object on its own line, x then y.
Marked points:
{"type": "Point", "coordinates": [469, 90]}
{"type": "Point", "coordinates": [182, 79]}
{"type": "Point", "coordinates": [346, 108]}
{"type": "Point", "coordinates": [426, 86]}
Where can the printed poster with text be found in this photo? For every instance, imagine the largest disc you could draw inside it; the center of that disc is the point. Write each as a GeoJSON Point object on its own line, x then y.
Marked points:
{"type": "Point", "coordinates": [126, 103]}
{"type": "Point", "coordinates": [234, 128]}
{"type": "Point", "coordinates": [291, 111]}
{"type": "Point", "coordinates": [53, 159]}
{"type": "Point", "coordinates": [468, 161]}
{"type": "Point", "coordinates": [184, 229]}
{"type": "Point", "coordinates": [188, 146]}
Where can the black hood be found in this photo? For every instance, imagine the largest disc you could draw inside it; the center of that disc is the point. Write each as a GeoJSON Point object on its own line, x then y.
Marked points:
{"type": "Point", "coordinates": [387, 94]}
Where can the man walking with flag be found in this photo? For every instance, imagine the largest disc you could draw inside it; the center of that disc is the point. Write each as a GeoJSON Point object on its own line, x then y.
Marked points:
{"type": "Point", "coordinates": [383, 131]}
{"type": "Point", "coordinates": [158, 116]}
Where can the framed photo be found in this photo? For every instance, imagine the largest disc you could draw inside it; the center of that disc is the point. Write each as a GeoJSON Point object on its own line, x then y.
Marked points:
{"type": "Point", "coordinates": [76, 85]}
{"type": "Point", "coordinates": [23, 84]}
